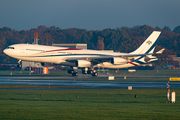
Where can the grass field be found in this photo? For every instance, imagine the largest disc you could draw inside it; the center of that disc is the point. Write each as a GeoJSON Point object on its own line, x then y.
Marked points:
{"type": "Point", "coordinates": [96, 104]}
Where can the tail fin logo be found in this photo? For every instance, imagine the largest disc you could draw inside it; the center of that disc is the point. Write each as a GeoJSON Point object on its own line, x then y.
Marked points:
{"type": "Point", "coordinates": [149, 42]}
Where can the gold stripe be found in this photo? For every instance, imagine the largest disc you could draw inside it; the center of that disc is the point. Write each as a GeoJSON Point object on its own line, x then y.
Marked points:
{"type": "Point", "coordinates": [141, 51]}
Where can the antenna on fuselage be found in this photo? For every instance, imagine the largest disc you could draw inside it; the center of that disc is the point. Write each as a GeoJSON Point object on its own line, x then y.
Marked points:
{"type": "Point", "coordinates": [35, 38]}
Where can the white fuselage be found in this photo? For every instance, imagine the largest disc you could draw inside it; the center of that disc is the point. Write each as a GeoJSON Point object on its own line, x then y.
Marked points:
{"type": "Point", "coordinates": [59, 55]}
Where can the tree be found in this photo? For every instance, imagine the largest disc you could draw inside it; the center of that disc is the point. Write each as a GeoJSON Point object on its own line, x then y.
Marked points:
{"type": "Point", "coordinates": [5, 29]}
{"type": "Point", "coordinates": [177, 29]}
{"type": "Point", "coordinates": [166, 28]}
{"type": "Point", "coordinates": [2, 44]}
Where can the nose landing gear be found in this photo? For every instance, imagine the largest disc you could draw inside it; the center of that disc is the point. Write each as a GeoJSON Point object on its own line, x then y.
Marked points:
{"type": "Point", "coordinates": [19, 64]}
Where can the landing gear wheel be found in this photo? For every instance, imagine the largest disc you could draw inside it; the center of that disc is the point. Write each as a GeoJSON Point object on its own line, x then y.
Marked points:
{"type": "Point", "coordinates": [90, 71]}
{"type": "Point", "coordinates": [84, 72]}
{"type": "Point", "coordinates": [95, 74]}
{"type": "Point", "coordinates": [70, 71]}
{"type": "Point", "coordinates": [19, 65]}
{"type": "Point", "coordinates": [75, 74]}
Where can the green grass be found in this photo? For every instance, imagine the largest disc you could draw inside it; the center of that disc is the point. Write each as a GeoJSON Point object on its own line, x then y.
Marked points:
{"type": "Point", "coordinates": [111, 104]}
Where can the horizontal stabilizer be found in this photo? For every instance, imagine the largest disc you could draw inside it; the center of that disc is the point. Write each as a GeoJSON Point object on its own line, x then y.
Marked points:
{"type": "Point", "coordinates": [160, 51]}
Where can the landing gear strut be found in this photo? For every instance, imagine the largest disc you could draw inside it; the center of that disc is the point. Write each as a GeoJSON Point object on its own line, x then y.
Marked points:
{"type": "Point", "coordinates": [84, 70]}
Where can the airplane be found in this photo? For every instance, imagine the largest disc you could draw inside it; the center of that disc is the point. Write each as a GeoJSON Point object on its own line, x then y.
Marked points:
{"type": "Point", "coordinates": [87, 60]}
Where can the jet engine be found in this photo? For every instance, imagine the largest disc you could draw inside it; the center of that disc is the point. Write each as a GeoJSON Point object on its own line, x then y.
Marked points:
{"type": "Point", "coordinates": [82, 63]}
{"type": "Point", "coordinates": [118, 60]}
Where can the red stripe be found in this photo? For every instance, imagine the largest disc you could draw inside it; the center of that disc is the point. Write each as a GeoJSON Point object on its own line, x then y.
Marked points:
{"type": "Point", "coordinates": [62, 49]}
{"type": "Point", "coordinates": [132, 63]}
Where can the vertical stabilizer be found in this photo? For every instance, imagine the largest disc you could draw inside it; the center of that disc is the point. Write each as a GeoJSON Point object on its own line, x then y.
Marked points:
{"type": "Point", "coordinates": [149, 44]}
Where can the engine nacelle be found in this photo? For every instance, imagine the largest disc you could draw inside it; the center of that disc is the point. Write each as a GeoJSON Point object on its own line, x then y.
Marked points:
{"type": "Point", "coordinates": [42, 64]}
{"type": "Point", "coordinates": [117, 60]}
{"type": "Point", "coordinates": [150, 58]}
{"type": "Point", "coordinates": [82, 63]}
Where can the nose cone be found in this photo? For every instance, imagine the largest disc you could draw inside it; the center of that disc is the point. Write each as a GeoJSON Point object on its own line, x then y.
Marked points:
{"type": "Point", "coordinates": [5, 51]}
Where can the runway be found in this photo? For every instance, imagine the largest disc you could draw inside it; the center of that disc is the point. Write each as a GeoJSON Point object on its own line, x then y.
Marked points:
{"type": "Point", "coordinates": [80, 84]}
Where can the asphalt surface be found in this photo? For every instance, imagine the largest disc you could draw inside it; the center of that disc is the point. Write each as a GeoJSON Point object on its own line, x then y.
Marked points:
{"type": "Point", "coordinates": [80, 84]}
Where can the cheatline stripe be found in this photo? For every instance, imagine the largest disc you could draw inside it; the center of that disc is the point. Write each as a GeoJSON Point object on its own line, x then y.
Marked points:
{"type": "Point", "coordinates": [61, 50]}
{"type": "Point", "coordinates": [69, 55]}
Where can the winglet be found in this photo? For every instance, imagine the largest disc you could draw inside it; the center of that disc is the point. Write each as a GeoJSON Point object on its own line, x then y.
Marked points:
{"type": "Point", "coordinates": [160, 51]}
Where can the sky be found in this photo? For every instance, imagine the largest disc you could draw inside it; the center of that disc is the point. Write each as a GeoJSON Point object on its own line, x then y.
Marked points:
{"type": "Point", "coordinates": [89, 14]}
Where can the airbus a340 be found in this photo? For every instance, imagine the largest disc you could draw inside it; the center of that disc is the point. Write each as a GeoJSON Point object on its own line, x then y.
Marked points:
{"type": "Point", "coordinates": [85, 59]}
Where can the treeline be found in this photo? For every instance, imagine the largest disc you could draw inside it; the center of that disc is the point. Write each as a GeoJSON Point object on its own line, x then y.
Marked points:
{"type": "Point", "coordinates": [120, 39]}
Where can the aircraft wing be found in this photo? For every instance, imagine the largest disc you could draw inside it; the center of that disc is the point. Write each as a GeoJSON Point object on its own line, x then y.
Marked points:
{"type": "Point", "coordinates": [100, 59]}
{"type": "Point", "coordinates": [105, 57]}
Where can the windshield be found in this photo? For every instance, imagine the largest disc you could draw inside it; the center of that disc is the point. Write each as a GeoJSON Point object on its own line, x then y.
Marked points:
{"type": "Point", "coordinates": [10, 47]}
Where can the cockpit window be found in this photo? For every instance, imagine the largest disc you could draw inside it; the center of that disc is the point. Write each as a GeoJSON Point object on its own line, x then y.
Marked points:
{"type": "Point", "coordinates": [10, 47]}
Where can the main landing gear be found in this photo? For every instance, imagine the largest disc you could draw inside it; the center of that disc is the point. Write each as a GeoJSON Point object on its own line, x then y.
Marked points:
{"type": "Point", "coordinates": [92, 72]}
{"type": "Point", "coordinates": [84, 71]}
{"type": "Point", "coordinates": [74, 73]}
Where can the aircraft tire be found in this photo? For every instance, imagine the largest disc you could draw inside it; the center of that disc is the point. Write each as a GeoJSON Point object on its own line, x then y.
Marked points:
{"type": "Point", "coordinates": [90, 71]}
{"type": "Point", "coordinates": [75, 74]}
{"type": "Point", "coordinates": [19, 65]}
{"type": "Point", "coordinates": [84, 72]}
{"type": "Point", "coordinates": [95, 74]}
{"type": "Point", "coordinates": [70, 71]}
